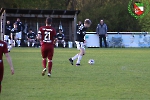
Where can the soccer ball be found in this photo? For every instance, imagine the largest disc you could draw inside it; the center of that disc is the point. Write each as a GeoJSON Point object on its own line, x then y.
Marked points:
{"type": "Point", "coordinates": [91, 61]}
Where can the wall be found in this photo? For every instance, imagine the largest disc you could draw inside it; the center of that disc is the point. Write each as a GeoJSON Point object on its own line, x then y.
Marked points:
{"type": "Point", "coordinates": [129, 39]}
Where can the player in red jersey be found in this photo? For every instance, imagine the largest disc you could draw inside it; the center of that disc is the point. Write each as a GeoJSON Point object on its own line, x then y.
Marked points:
{"type": "Point", "coordinates": [46, 35]}
{"type": "Point", "coordinates": [4, 50]}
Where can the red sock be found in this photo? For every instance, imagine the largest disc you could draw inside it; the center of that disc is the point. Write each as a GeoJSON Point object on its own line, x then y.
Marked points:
{"type": "Point", "coordinates": [44, 63]}
{"type": "Point", "coordinates": [0, 88]}
{"type": "Point", "coordinates": [49, 67]}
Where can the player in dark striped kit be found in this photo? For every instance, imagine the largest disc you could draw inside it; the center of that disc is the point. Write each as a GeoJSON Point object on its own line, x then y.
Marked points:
{"type": "Point", "coordinates": [80, 41]}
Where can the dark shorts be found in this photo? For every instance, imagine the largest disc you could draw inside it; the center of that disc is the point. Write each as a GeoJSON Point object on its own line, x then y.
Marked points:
{"type": "Point", "coordinates": [47, 51]}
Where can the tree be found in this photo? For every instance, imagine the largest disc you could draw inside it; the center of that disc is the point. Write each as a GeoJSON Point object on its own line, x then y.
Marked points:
{"type": "Point", "coordinates": [114, 12]}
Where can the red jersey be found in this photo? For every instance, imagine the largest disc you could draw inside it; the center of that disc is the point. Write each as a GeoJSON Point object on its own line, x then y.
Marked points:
{"type": "Point", "coordinates": [48, 33]}
{"type": "Point", "coordinates": [3, 49]}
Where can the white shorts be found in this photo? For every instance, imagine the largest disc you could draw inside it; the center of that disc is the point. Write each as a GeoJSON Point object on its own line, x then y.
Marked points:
{"type": "Point", "coordinates": [80, 45]}
{"type": "Point", "coordinates": [19, 35]}
{"type": "Point", "coordinates": [6, 37]}
{"type": "Point", "coordinates": [31, 40]}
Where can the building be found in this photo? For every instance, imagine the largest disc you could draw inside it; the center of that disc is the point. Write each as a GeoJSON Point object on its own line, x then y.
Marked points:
{"type": "Point", "coordinates": [35, 18]}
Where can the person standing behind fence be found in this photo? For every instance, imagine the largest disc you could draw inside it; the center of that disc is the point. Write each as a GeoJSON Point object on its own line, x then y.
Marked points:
{"type": "Point", "coordinates": [101, 31]}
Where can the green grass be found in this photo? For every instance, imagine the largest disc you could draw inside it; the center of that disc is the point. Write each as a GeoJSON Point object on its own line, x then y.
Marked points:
{"type": "Point", "coordinates": [118, 74]}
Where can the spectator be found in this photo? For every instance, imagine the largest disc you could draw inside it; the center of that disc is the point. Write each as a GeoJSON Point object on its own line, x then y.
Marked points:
{"type": "Point", "coordinates": [101, 31]}
{"type": "Point", "coordinates": [60, 38]}
{"type": "Point", "coordinates": [14, 32]}
{"type": "Point", "coordinates": [20, 28]}
{"type": "Point", "coordinates": [31, 37]}
{"type": "Point", "coordinates": [8, 28]}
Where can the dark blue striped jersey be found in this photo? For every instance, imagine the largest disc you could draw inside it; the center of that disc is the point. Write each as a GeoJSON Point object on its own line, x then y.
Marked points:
{"type": "Point", "coordinates": [14, 31]}
{"type": "Point", "coordinates": [31, 35]}
{"type": "Point", "coordinates": [81, 33]}
{"type": "Point", "coordinates": [20, 26]}
{"type": "Point", "coordinates": [60, 36]}
{"type": "Point", "coordinates": [8, 28]}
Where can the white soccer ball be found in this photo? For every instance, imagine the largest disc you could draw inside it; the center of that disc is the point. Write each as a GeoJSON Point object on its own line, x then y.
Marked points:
{"type": "Point", "coordinates": [91, 61]}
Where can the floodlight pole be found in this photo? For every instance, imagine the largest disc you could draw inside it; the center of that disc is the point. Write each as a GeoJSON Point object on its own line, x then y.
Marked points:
{"type": "Point", "coordinates": [2, 24]}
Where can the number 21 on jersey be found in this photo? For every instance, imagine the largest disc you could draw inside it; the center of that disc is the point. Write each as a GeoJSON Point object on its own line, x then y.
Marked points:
{"type": "Point", "coordinates": [47, 36]}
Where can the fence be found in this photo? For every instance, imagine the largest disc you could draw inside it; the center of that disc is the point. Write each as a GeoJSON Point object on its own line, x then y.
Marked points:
{"type": "Point", "coordinates": [120, 39]}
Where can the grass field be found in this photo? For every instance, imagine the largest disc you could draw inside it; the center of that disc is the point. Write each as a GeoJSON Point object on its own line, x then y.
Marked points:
{"type": "Point", "coordinates": [118, 74]}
